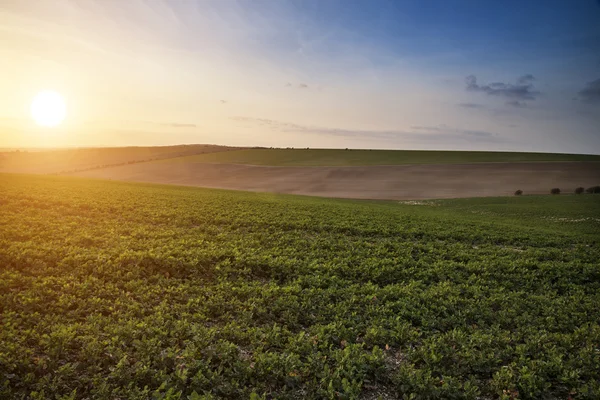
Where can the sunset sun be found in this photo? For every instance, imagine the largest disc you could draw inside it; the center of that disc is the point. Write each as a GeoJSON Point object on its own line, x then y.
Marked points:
{"type": "Point", "coordinates": [48, 108]}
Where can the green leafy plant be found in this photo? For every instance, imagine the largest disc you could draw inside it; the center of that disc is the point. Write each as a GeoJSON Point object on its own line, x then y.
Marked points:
{"type": "Point", "coordinates": [136, 291]}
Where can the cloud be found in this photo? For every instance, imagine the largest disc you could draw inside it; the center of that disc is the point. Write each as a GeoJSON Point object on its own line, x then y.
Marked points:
{"type": "Point", "coordinates": [522, 90]}
{"type": "Point", "coordinates": [591, 93]}
{"type": "Point", "coordinates": [471, 105]}
{"type": "Point", "coordinates": [286, 126]}
{"type": "Point", "coordinates": [525, 79]}
{"type": "Point", "coordinates": [447, 129]}
{"type": "Point", "coordinates": [299, 86]}
{"type": "Point", "coordinates": [433, 133]}
{"type": "Point", "coordinates": [516, 103]}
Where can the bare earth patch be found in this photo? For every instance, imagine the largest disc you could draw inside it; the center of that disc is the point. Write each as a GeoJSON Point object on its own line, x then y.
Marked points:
{"type": "Point", "coordinates": [417, 203]}
{"type": "Point", "coordinates": [400, 182]}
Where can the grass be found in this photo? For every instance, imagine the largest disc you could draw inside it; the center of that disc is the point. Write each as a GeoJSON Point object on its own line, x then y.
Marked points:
{"type": "Point", "coordinates": [133, 291]}
{"type": "Point", "coordinates": [340, 157]}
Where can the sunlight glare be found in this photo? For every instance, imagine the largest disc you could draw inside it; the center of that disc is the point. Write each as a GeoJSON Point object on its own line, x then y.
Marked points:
{"type": "Point", "coordinates": [48, 108]}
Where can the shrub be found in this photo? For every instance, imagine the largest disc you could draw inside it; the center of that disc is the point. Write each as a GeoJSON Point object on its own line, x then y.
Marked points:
{"type": "Point", "coordinates": [518, 192]}
{"type": "Point", "coordinates": [579, 190]}
{"type": "Point", "coordinates": [593, 189]}
{"type": "Point", "coordinates": [555, 191]}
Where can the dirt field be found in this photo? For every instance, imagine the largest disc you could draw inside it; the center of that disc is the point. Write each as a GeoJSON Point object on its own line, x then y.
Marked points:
{"type": "Point", "coordinates": [365, 157]}
{"type": "Point", "coordinates": [370, 182]}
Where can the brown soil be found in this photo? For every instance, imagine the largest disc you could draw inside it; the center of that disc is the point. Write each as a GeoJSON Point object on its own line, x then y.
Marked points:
{"type": "Point", "coordinates": [368, 182]}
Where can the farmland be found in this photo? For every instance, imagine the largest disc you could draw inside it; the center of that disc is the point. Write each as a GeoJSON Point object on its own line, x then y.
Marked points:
{"type": "Point", "coordinates": [358, 174]}
{"type": "Point", "coordinates": [53, 161]}
{"type": "Point", "coordinates": [401, 182]}
{"type": "Point", "coordinates": [341, 157]}
{"type": "Point", "coordinates": [133, 291]}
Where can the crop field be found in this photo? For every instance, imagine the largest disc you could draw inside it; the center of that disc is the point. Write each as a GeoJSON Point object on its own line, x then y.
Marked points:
{"type": "Point", "coordinates": [340, 157]}
{"type": "Point", "coordinates": [389, 182]}
{"type": "Point", "coordinates": [53, 161]}
{"type": "Point", "coordinates": [112, 290]}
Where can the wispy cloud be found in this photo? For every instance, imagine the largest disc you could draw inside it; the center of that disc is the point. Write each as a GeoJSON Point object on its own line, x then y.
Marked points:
{"type": "Point", "coordinates": [525, 79]}
{"type": "Point", "coordinates": [522, 90]}
{"type": "Point", "coordinates": [470, 105]}
{"type": "Point", "coordinates": [441, 132]}
{"type": "Point", "coordinates": [591, 93]}
{"type": "Point", "coordinates": [299, 85]}
{"type": "Point", "coordinates": [448, 129]}
{"type": "Point", "coordinates": [516, 103]}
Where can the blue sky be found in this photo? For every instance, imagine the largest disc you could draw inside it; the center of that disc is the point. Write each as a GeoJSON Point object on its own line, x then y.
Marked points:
{"type": "Point", "coordinates": [482, 75]}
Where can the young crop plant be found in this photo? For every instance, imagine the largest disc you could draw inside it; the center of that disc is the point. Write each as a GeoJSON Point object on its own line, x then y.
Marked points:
{"type": "Point", "coordinates": [115, 290]}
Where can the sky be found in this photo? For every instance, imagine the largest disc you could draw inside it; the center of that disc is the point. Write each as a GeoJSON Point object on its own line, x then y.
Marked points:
{"type": "Point", "coordinates": [402, 74]}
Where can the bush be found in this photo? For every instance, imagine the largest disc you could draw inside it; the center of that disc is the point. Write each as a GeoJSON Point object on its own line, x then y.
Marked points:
{"type": "Point", "coordinates": [518, 192]}
{"type": "Point", "coordinates": [579, 190]}
{"type": "Point", "coordinates": [593, 189]}
{"type": "Point", "coordinates": [555, 191]}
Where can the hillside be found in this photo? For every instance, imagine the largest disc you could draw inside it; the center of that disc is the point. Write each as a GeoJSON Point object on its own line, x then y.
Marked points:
{"type": "Point", "coordinates": [82, 159]}
{"type": "Point", "coordinates": [400, 182]}
{"type": "Point", "coordinates": [341, 157]}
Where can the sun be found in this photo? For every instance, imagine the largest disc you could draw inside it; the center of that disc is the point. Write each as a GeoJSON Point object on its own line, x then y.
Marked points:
{"type": "Point", "coordinates": [48, 108]}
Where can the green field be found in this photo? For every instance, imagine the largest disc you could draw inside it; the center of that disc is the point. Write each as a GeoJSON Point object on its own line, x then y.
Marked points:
{"type": "Point", "coordinates": [132, 291]}
{"type": "Point", "coordinates": [340, 157]}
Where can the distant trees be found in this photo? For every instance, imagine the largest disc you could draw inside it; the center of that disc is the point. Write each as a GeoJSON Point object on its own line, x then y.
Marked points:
{"type": "Point", "coordinates": [593, 189]}
{"type": "Point", "coordinates": [579, 190]}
